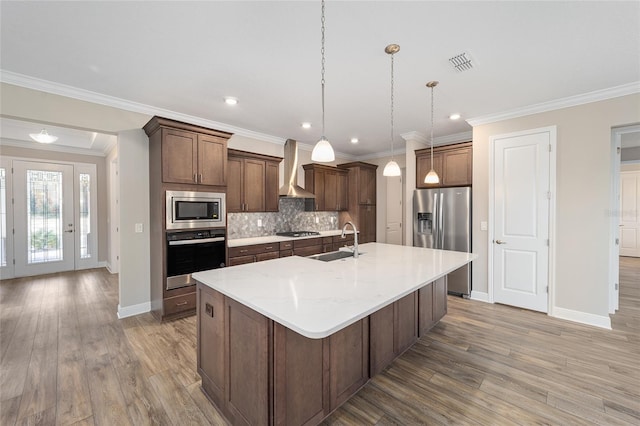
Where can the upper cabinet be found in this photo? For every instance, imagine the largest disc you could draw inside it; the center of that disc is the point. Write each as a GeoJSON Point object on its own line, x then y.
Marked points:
{"type": "Point", "coordinates": [328, 184]}
{"type": "Point", "coordinates": [190, 154]}
{"type": "Point", "coordinates": [452, 163]}
{"type": "Point", "coordinates": [252, 182]}
{"type": "Point", "coordinates": [362, 198]}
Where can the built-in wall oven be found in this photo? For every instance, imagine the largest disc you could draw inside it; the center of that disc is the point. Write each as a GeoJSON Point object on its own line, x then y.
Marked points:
{"type": "Point", "coordinates": [191, 209]}
{"type": "Point", "coordinates": [193, 251]}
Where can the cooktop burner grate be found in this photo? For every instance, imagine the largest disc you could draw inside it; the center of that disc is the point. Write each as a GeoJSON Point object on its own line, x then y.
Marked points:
{"type": "Point", "coordinates": [297, 233]}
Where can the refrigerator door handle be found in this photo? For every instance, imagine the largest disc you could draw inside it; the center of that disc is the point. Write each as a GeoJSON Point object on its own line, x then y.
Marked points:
{"type": "Point", "coordinates": [436, 227]}
{"type": "Point", "coordinates": [441, 218]}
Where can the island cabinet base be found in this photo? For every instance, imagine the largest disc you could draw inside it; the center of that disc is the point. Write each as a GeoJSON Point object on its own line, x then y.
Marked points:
{"type": "Point", "coordinates": [258, 372]}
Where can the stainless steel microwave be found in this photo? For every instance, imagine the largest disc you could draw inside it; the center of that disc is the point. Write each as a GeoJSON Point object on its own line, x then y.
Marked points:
{"type": "Point", "coordinates": [190, 209]}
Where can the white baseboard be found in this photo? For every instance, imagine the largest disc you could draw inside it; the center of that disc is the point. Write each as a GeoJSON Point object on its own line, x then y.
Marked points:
{"type": "Point", "coordinates": [102, 264]}
{"type": "Point", "coordinates": [111, 271]}
{"type": "Point", "coordinates": [581, 317]}
{"type": "Point", "coordinates": [129, 311]}
{"type": "Point", "coordinates": [479, 296]}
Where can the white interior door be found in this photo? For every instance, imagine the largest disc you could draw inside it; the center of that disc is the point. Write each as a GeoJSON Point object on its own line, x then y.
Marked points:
{"type": "Point", "coordinates": [43, 218]}
{"type": "Point", "coordinates": [394, 210]}
{"type": "Point", "coordinates": [521, 219]}
{"type": "Point", "coordinates": [630, 214]}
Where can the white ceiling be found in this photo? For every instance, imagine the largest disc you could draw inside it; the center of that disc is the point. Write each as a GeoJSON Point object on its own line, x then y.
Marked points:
{"type": "Point", "coordinates": [185, 57]}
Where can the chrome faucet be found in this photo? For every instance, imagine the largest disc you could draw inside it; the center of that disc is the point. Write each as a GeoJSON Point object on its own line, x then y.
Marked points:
{"type": "Point", "coordinates": [355, 238]}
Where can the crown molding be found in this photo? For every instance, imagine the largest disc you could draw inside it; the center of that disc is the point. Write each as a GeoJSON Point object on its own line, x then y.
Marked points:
{"type": "Point", "coordinates": [119, 103]}
{"type": "Point", "coordinates": [414, 136]}
{"type": "Point", "coordinates": [381, 154]}
{"type": "Point", "coordinates": [585, 98]}
{"type": "Point", "coordinates": [454, 138]}
{"type": "Point", "coordinates": [54, 147]}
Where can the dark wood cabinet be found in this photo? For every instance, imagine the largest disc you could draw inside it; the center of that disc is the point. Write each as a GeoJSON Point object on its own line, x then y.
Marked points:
{"type": "Point", "coordinates": [362, 199]}
{"type": "Point", "coordinates": [393, 330]}
{"type": "Point", "coordinates": [349, 361]}
{"type": "Point", "coordinates": [211, 338]}
{"type": "Point", "coordinates": [252, 253]}
{"type": "Point", "coordinates": [182, 157]}
{"type": "Point", "coordinates": [432, 304]}
{"type": "Point", "coordinates": [453, 163]}
{"type": "Point", "coordinates": [329, 184]}
{"type": "Point", "coordinates": [252, 182]}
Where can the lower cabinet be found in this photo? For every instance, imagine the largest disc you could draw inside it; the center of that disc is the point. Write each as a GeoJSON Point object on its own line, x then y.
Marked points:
{"type": "Point", "coordinates": [258, 372]}
{"type": "Point", "coordinates": [253, 253]}
{"type": "Point", "coordinates": [393, 329]}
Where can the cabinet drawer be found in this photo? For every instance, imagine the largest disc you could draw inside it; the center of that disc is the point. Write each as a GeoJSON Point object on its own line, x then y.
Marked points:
{"type": "Point", "coordinates": [173, 305]}
{"type": "Point", "coordinates": [253, 249]}
{"type": "Point", "coordinates": [241, 260]}
{"type": "Point", "coordinates": [286, 245]}
{"type": "Point", "coordinates": [348, 239]}
{"type": "Point", "coordinates": [308, 251]}
{"type": "Point", "coordinates": [286, 253]}
{"type": "Point", "coordinates": [307, 242]}
{"type": "Point", "coordinates": [267, 256]}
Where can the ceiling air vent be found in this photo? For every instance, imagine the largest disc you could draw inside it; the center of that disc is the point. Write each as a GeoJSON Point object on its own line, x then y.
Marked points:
{"type": "Point", "coordinates": [461, 62]}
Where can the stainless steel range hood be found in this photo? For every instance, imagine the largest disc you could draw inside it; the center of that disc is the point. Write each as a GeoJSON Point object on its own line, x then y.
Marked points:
{"type": "Point", "coordinates": [290, 189]}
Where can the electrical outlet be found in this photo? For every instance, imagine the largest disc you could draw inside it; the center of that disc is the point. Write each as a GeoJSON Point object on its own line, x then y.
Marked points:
{"type": "Point", "coordinates": [259, 222]}
{"type": "Point", "coordinates": [317, 219]}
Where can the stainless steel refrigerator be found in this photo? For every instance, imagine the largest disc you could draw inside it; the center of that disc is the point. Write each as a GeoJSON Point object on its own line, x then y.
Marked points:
{"type": "Point", "coordinates": [442, 220]}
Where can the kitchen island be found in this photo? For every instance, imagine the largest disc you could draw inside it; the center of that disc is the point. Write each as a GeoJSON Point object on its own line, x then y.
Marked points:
{"type": "Point", "coordinates": [288, 340]}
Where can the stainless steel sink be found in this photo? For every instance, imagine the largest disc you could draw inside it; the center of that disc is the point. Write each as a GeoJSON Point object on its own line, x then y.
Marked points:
{"type": "Point", "coordinates": [334, 255]}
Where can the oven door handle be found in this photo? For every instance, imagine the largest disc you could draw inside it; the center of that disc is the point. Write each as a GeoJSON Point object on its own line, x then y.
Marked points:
{"type": "Point", "coordinates": [196, 241]}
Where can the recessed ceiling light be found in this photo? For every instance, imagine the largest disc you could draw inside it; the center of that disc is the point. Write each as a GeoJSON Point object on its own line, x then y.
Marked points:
{"type": "Point", "coordinates": [306, 125]}
{"type": "Point", "coordinates": [230, 101]}
{"type": "Point", "coordinates": [454, 116]}
{"type": "Point", "coordinates": [43, 137]}
{"type": "Point", "coordinates": [354, 140]}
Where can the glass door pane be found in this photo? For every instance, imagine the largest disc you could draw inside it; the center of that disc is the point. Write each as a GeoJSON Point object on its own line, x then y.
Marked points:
{"type": "Point", "coordinates": [85, 215]}
{"type": "Point", "coordinates": [3, 217]}
{"type": "Point", "coordinates": [44, 216]}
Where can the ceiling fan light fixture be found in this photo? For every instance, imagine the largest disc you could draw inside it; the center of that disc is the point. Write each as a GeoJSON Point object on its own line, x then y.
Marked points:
{"type": "Point", "coordinates": [43, 137]}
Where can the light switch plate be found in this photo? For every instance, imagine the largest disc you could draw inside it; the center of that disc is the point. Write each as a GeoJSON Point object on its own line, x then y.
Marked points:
{"type": "Point", "coordinates": [483, 226]}
{"type": "Point", "coordinates": [259, 222]}
{"type": "Point", "coordinates": [138, 228]}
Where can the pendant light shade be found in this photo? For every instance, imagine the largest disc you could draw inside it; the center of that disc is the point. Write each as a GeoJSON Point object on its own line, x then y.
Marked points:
{"type": "Point", "coordinates": [322, 151]}
{"type": "Point", "coordinates": [392, 168]}
{"type": "Point", "coordinates": [432, 177]}
{"type": "Point", "coordinates": [43, 137]}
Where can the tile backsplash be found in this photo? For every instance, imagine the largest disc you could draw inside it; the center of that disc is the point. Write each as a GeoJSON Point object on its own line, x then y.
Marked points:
{"type": "Point", "coordinates": [291, 217]}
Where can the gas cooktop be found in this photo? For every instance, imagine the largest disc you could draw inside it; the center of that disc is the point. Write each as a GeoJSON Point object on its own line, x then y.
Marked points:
{"type": "Point", "coordinates": [297, 234]}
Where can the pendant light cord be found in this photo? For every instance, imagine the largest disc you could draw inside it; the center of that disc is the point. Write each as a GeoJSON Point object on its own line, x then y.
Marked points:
{"type": "Point", "coordinates": [322, 72]}
{"type": "Point", "coordinates": [392, 106]}
{"type": "Point", "coordinates": [431, 127]}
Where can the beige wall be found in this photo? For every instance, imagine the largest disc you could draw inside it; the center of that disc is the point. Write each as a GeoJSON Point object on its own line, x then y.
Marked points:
{"type": "Point", "coordinates": [101, 170]}
{"type": "Point", "coordinates": [630, 167]}
{"type": "Point", "coordinates": [582, 193]}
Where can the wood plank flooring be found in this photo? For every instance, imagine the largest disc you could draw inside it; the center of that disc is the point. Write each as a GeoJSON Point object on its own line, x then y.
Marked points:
{"type": "Point", "coordinates": [66, 359]}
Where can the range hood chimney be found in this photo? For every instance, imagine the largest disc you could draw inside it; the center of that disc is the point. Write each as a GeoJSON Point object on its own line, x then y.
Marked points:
{"type": "Point", "coordinates": [290, 189]}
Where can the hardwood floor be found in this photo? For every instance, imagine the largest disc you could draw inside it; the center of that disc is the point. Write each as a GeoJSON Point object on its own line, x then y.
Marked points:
{"type": "Point", "coordinates": [66, 359]}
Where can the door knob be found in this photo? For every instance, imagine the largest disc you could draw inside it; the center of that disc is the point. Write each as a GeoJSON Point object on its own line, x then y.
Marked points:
{"type": "Point", "coordinates": [70, 230]}
{"type": "Point", "coordinates": [500, 242]}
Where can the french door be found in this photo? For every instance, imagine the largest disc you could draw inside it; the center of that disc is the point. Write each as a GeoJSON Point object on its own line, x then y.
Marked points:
{"type": "Point", "coordinates": [48, 214]}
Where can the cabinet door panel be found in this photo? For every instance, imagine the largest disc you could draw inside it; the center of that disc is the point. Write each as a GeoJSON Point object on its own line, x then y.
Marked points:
{"type": "Point", "coordinates": [342, 191]}
{"type": "Point", "coordinates": [254, 185]}
{"type": "Point", "coordinates": [456, 167]}
{"type": "Point", "coordinates": [367, 186]}
{"type": "Point", "coordinates": [318, 189]}
{"type": "Point", "coordinates": [212, 160]}
{"type": "Point", "coordinates": [179, 156]}
{"type": "Point", "coordinates": [406, 319]}
{"type": "Point", "coordinates": [330, 191]}
{"type": "Point", "coordinates": [439, 299]}
{"type": "Point", "coordinates": [349, 360]}
{"type": "Point", "coordinates": [423, 166]}
{"type": "Point", "coordinates": [381, 325]}
{"type": "Point", "coordinates": [301, 388]}
{"type": "Point", "coordinates": [271, 196]}
{"type": "Point", "coordinates": [211, 338]}
{"type": "Point", "coordinates": [425, 309]}
{"type": "Point", "coordinates": [367, 224]}
{"type": "Point", "coordinates": [235, 184]}
{"type": "Point", "coordinates": [247, 382]}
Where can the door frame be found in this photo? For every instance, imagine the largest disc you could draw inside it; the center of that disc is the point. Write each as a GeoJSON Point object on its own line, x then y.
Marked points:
{"type": "Point", "coordinates": [614, 246]}
{"type": "Point", "coordinates": [552, 130]}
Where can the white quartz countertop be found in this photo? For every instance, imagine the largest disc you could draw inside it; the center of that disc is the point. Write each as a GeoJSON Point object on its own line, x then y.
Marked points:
{"type": "Point", "coordinates": [316, 299]}
{"type": "Point", "coordinates": [238, 242]}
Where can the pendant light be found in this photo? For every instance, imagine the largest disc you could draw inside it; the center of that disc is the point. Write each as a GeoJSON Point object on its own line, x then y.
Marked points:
{"type": "Point", "coordinates": [322, 152]}
{"type": "Point", "coordinates": [392, 168]}
{"type": "Point", "coordinates": [43, 137]}
{"type": "Point", "coordinates": [432, 176]}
